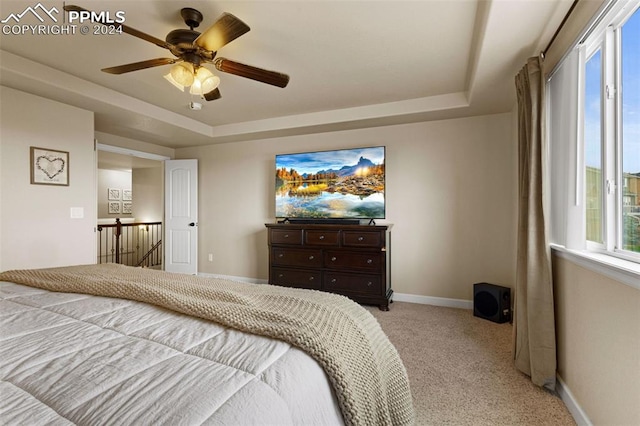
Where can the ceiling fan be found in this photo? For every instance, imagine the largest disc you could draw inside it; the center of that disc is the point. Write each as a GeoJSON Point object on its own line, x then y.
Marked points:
{"type": "Point", "coordinates": [192, 50]}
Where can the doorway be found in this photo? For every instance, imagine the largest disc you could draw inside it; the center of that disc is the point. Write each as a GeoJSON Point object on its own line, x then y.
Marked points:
{"type": "Point", "coordinates": [130, 198]}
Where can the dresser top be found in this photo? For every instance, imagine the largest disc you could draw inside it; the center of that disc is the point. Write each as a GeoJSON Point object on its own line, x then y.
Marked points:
{"type": "Point", "coordinates": [328, 226]}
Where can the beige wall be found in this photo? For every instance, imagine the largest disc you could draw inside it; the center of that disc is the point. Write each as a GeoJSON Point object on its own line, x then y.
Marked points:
{"type": "Point", "coordinates": [132, 144]}
{"type": "Point", "coordinates": [598, 335]}
{"type": "Point", "coordinates": [450, 197]}
{"type": "Point", "coordinates": [111, 179]}
{"type": "Point", "coordinates": [146, 185]}
{"type": "Point", "coordinates": [36, 227]}
{"type": "Point", "coordinates": [148, 194]}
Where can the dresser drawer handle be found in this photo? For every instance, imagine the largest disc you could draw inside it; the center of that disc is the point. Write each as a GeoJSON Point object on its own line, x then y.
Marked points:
{"type": "Point", "coordinates": [369, 284]}
{"type": "Point", "coordinates": [333, 281]}
{"type": "Point", "coordinates": [281, 255]}
{"type": "Point", "coordinates": [311, 278]}
{"type": "Point", "coordinates": [286, 235]}
{"type": "Point", "coordinates": [361, 238]}
{"type": "Point", "coordinates": [321, 237]}
{"type": "Point", "coordinates": [333, 259]}
{"type": "Point", "coordinates": [280, 275]}
{"type": "Point", "coordinates": [369, 261]}
{"type": "Point", "coordinates": [311, 257]}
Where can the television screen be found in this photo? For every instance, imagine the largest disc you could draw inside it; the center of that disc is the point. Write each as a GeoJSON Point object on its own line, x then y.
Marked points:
{"type": "Point", "coordinates": [341, 184]}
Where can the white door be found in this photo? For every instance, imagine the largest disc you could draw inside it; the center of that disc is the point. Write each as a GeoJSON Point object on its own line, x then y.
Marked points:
{"type": "Point", "coordinates": [181, 216]}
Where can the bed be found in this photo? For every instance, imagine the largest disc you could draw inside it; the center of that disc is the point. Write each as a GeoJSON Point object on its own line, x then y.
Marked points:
{"type": "Point", "coordinates": [111, 344]}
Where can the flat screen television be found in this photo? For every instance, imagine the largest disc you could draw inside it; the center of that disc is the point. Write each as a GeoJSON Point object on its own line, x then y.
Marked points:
{"type": "Point", "coordinates": [339, 184]}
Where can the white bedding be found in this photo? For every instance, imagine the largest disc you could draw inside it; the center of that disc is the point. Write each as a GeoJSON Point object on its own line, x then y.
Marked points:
{"type": "Point", "coordinates": [76, 359]}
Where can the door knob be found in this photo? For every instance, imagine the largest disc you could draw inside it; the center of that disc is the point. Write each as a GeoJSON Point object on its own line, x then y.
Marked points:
{"type": "Point", "coordinates": [192, 224]}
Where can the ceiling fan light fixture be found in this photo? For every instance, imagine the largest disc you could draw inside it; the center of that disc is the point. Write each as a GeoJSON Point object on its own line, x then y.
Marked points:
{"type": "Point", "coordinates": [196, 87]}
{"type": "Point", "coordinates": [182, 73]}
{"type": "Point", "coordinates": [175, 83]}
{"type": "Point", "coordinates": [192, 49]}
{"type": "Point", "coordinates": [206, 80]}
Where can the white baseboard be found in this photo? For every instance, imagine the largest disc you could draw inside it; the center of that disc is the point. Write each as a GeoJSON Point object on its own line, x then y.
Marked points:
{"type": "Point", "coordinates": [437, 301]}
{"type": "Point", "coordinates": [569, 400]}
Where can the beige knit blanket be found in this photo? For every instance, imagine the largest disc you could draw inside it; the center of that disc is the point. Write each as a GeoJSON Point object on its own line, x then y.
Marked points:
{"type": "Point", "coordinates": [364, 368]}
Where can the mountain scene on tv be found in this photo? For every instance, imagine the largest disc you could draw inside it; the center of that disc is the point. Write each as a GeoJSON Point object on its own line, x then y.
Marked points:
{"type": "Point", "coordinates": [331, 184]}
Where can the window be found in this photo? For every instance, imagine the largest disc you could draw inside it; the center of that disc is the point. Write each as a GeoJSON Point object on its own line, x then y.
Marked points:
{"type": "Point", "coordinates": [593, 147]}
{"type": "Point", "coordinates": [594, 138]}
{"type": "Point", "coordinates": [610, 64]}
{"type": "Point", "coordinates": [630, 144]}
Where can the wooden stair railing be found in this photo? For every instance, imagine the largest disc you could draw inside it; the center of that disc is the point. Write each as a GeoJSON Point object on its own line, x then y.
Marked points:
{"type": "Point", "coordinates": [149, 253]}
{"type": "Point", "coordinates": [133, 244]}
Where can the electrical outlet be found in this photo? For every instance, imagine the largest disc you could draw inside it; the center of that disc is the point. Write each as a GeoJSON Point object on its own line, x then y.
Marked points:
{"type": "Point", "coordinates": [210, 257]}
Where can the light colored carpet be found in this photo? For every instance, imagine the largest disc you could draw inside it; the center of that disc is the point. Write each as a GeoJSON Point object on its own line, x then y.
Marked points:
{"type": "Point", "coordinates": [461, 371]}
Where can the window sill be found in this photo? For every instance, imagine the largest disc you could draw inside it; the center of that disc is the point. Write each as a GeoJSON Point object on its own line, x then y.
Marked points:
{"type": "Point", "coordinates": [621, 270]}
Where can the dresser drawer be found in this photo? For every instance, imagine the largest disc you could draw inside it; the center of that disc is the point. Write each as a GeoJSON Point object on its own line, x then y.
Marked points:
{"type": "Point", "coordinates": [286, 236]}
{"type": "Point", "coordinates": [298, 278]}
{"type": "Point", "coordinates": [343, 258]}
{"type": "Point", "coordinates": [367, 261]}
{"type": "Point", "coordinates": [352, 283]}
{"type": "Point", "coordinates": [362, 239]}
{"type": "Point", "coordinates": [314, 237]}
{"type": "Point", "coordinates": [309, 258]}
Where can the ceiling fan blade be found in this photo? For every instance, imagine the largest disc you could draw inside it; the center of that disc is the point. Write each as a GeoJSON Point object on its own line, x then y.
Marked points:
{"type": "Point", "coordinates": [126, 29]}
{"type": "Point", "coordinates": [270, 77]}
{"type": "Point", "coordinates": [226, 29]}
{"type": "Point", "coordinates": [135, 66]}
{"type": "Point", "coordinates": [213, 95]}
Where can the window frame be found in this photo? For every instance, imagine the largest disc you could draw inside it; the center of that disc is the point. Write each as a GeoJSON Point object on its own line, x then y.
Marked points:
{"type": "Point", "coordinates": [587, 52]}
{"type": "Point", "coordinates": [606, 37]}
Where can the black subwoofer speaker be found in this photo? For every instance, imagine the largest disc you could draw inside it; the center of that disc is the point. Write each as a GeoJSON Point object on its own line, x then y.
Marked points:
{"type": "Point", "coordinates": [492, 302]}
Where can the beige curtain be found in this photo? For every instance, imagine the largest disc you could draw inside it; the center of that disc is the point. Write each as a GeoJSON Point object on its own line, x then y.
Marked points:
{"type": "Point", "coordinates": [534, 324]}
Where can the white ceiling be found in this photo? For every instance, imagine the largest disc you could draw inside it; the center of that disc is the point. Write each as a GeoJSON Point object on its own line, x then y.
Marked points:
{"type": "Point", "coordinates": [352, 64]}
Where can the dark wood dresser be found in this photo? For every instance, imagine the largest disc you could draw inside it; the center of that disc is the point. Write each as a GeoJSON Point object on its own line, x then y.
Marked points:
{"type": "Point", "coordinates": [352, 260]}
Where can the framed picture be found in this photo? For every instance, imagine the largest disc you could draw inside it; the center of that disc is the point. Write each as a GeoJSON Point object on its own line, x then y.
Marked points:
{"type": "Point", "coordinates": [113, 194]}
{"type": "Point", "coordinates": [127, 207]}
{"type": "Point", "coordinates": [114, 207]}
{"type": "Point", "coordinates": [49, 167]}
{"type": "Point", "coordinates": [127, 195]}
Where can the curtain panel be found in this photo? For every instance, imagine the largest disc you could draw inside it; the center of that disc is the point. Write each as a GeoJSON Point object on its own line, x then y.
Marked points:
{"type": "Point", "coordinates": [534, 323]}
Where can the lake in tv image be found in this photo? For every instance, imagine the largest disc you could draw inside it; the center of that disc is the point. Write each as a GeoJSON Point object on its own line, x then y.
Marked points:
{"type": "Point", "coordinates": [347, 183]}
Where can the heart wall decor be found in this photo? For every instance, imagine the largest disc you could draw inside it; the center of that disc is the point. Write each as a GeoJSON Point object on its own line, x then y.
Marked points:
{"type": "Point", "coordinates": [49, 167]}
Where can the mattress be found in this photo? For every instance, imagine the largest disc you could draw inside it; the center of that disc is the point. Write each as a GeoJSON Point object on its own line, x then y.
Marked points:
{"type": "Point", "coordinates": [68, 358]}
